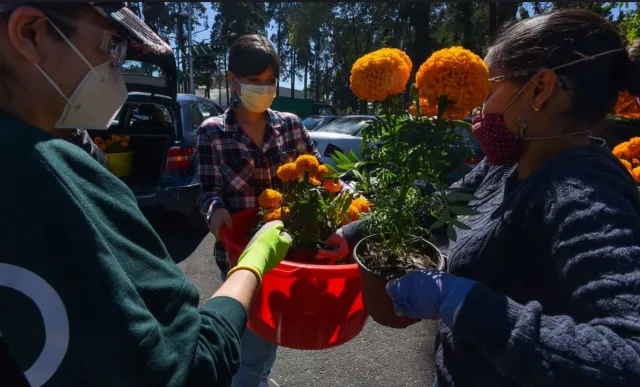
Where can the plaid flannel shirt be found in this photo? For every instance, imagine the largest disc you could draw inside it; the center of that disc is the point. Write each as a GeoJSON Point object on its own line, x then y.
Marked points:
{"type": "Point", "coordinates": [233, 170]}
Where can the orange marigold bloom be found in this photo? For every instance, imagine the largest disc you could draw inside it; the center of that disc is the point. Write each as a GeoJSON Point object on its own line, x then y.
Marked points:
{"type": "Point", "coordinates": [380, 74]}
{"type": "Point", "coordinates": [321, 172]}
{"type": "Point", "coordinates": [306, 163]}
{"type": "Point", "coordinates": [314, 181]}
{"type": "Point", "coordinates": [362, 204]}
{"type": "Point", "coordinates": [352, 214]}
{"type": "Point", "coordinates": [270, 198]}
{"type": "Point", "coordinates": [287, 172]}
{"type": "Point", "coordinates": [330, 186]}
{"type": "Point", "coordinates": [627, 105]}
{"type": "Point", "coordinates": [626, 165]}
{"type": "Point", "coordinates": [271, 215]}
{"type": "Point", "coordinates": [458, 74]}
{"type": "Point", "coordinates": [635, 172]}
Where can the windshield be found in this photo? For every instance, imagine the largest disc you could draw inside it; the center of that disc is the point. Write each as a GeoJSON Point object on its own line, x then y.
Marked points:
{"type": "Point", "coordinates": [346, 125]}
{"type": "Point", "coordinates": [310, 122]}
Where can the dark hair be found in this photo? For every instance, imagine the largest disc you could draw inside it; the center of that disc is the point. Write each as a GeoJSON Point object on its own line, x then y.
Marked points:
{"type": "Point", "coordinates": [252, 55]}
{"type": "Point", "coordinates": [564, 36]}
{"type": "Point", "coordinates": [61, 13]}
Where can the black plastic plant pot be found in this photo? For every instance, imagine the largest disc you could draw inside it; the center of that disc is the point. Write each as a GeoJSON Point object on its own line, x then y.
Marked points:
{"type": "Point", "coordinates": [374, 295]}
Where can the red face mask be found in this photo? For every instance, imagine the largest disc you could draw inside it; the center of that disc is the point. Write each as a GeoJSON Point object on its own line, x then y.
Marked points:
{"type": "Point", "coordinates": [499, 145]}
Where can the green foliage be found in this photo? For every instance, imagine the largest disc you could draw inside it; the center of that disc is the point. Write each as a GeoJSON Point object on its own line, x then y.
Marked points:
{"type": "Point", "coordinates": [399, 150]}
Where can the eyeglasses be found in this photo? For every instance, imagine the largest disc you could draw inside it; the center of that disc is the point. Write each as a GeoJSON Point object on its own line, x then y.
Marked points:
{"type": "Point", "coordinates": [116, 47]}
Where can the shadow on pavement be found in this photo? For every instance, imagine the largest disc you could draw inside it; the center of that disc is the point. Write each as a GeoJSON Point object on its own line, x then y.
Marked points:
{"type": "Point", "coordinates": [181, 240]}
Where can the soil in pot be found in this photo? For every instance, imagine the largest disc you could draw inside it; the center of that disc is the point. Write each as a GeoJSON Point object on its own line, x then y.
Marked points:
{"type": "Point", "coordinates": [373, 254]}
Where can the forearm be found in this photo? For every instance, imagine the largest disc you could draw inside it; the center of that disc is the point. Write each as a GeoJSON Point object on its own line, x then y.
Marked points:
{"type": "Point", "coordinates": [538, 350]}
{"type": "Point", "coordinates": [242, 285]}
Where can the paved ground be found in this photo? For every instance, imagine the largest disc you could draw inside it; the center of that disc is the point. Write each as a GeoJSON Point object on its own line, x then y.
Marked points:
{"type": "Point", "coordinates": [379, 356]}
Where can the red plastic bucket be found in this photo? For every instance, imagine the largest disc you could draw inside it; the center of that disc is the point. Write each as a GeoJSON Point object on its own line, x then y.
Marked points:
{"type": "Point", "coordinates": [300, 306]}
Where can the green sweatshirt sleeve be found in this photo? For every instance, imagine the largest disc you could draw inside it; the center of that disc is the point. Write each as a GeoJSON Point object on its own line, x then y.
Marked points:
{"type": "Point", "coordinates": [93, 296]}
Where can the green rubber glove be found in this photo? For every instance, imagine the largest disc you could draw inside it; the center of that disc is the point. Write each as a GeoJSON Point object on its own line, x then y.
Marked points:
{"type": "Point", "coordinates": [265, 250]}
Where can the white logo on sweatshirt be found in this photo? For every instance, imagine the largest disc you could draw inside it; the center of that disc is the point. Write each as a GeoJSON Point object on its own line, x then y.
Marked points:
{"type": "Point", "coordinates": [54, 316]}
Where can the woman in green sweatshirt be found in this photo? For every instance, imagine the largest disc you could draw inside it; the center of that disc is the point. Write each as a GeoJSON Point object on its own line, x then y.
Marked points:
{"type": "Point", "coordinates": [89, 295]}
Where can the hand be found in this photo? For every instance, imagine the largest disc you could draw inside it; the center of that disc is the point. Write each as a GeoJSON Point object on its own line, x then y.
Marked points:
{"type": "Point", "coordinates": [266, 249]}
{"type": "Point", "coordinates": [429, 294]}
{"type": "Point", "coordinates": [219, 217]}
{"type": "Point", "coordinates": [335, 248]}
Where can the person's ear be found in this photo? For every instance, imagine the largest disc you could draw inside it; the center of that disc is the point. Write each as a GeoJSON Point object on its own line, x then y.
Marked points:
{"type": "Point", "coordinates": [27, 31]}
{"type": "Point", "coordinates": [543, 87]}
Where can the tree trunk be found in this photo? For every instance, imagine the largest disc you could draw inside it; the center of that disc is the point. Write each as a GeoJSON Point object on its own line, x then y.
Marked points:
{"type": "Point", "coordinates": [293, 72]}
{"type": "Point", "coordinates": [420, 48]}
{"type": "Point", "coordinates": [467, 24]}
{"type": "Point", "coordinates": [278, 48]}
{"type": "Point", "coordinates": [493, 19]}
{"type": "Point", "coordinates": [506, 11]}
{"type": "Point", "coordinates": [318, 50]}
{"type": "Point", "coordinates": [306, 74]}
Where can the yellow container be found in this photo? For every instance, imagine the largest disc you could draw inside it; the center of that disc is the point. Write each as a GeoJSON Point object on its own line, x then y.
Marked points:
{"type": "Point", "coordinates": [120, 164]}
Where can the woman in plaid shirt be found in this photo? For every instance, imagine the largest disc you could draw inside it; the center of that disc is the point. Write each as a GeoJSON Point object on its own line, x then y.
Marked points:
{"type": "Point", "coordinates": [238, 155]}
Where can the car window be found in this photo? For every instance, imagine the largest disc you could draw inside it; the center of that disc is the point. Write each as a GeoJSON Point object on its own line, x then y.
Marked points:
{"type": "Point", "coordinates": [310, 122]}
{"type": "Point", "coordinates": [345, 125]}
{"type": "Point", "coordinates": [149, 112]}
{"type": "Point", "coordinates": [196, 116]}
{"type": "Point", "coordinates": [207, 109]}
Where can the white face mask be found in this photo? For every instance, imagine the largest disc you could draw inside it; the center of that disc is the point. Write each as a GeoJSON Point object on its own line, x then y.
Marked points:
{"type": "Point", "coordinates": [96, 100]}
{"type": "Point", "coordinates": [256, 98]}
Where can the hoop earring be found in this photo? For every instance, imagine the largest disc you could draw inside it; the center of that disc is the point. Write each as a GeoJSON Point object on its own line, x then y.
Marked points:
{"type": "Point", "coordinates": [536, 109]}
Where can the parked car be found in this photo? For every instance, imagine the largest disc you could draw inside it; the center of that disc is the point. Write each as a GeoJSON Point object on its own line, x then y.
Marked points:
{"type": "Point", "coordinates": [345, 134]}
{"type": "Point", "coordinates": [342, 134]}
{"type": "Point", "coordinates": [317, 121]}
{"type": "Point", "coordinates": [162, 125]}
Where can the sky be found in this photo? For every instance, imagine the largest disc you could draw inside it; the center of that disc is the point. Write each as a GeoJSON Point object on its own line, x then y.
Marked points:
{"type": "Point", "coordinates": [299, 82]}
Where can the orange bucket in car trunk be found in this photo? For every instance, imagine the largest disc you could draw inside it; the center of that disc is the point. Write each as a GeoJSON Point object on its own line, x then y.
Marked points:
{"type": "Point", "coordinates": [120, 164]}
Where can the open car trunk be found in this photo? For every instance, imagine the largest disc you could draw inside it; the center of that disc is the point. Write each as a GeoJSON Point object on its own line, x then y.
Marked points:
{"type": "Point", "coordinates": [149, 118]}
{"type": "Point", "coordinates": [147, 123]}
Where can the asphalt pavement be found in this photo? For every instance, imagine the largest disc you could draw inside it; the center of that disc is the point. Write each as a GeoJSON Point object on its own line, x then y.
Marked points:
{"type": "Point", "coordinates": [379, 356]}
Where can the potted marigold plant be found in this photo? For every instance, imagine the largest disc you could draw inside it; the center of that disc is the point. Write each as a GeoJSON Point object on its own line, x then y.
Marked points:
{"type": "Point", "coordinates": [118, 153]}
{"type": "Point", "coordinates": [304, 303]}
{"type": "Point", "coordinates": [418, 141]}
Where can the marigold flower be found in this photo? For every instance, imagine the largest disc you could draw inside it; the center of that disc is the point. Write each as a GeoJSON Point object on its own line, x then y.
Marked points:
{"type": "Point", "coordinates": [627, 105]}
{"type": "Point", "coordinates": [352, 214]}
{"type": "Point", "coordinates": [458, 74]}
{"type": "Point", "coordinates": [629, 150]}
{"type": "Point", "coordinates": [124, 143]}
{"type": "Point", "coordinates": [636, 174]}
{"type": "Point", "coordinates": [314, 181]}
{"type": "Point", "coordinates": [103, 147]}
{"type": "Point", "coordinates": [330, 186]}
{"type": "Point", "coordinates": [98, 140]}
{"type": "Point", "coordinates": [380, 74]}
{"type": "Point", "coordinates": [321, 172]}
{"type": "Point", "coordinates": [362, 204]}
{"type": "Point", "coordinates": [272, 214]}
{"type": "Point", "coordinates": [287, 172]}
{"type": "Point", "coordinates": [306, 163]}
{"type": "Point", "coordinates": [627, 165]}
{"type": "Point", "coordinates": [270, 198]}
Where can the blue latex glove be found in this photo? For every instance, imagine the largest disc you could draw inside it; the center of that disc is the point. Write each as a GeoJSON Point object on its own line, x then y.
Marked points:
{"type": "Point", "coordinates": [429, 294]}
